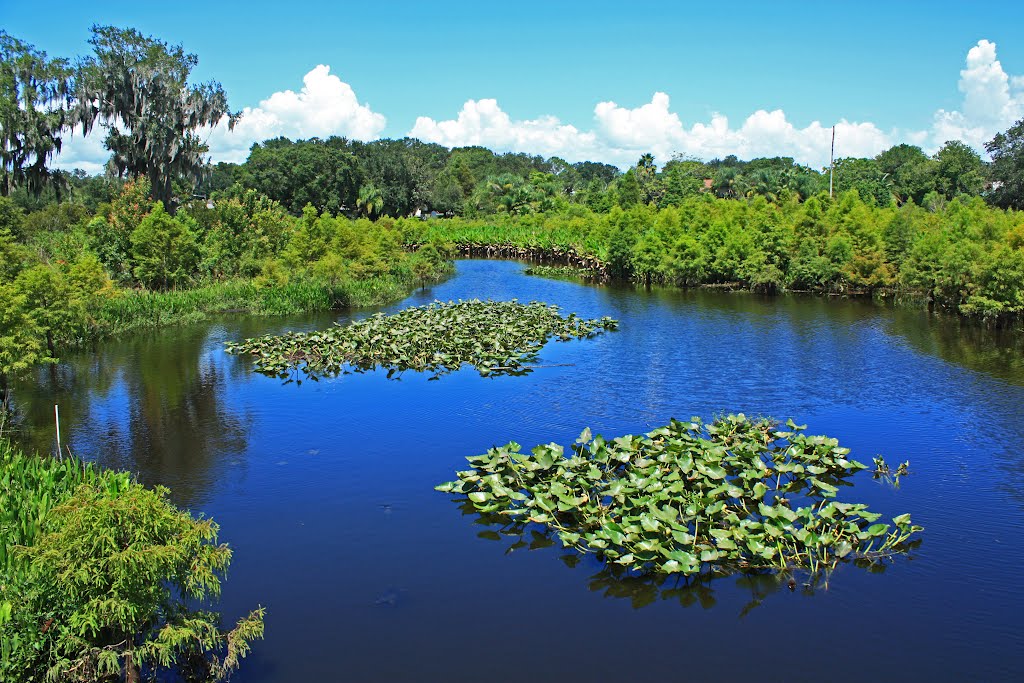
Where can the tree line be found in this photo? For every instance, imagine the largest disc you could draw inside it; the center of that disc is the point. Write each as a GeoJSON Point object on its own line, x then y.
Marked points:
{"type": "Point", "coordinates": [963, 256]}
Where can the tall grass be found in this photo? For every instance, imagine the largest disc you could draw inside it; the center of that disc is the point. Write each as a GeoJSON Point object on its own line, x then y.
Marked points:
{"type": "Point", "coordinates": [143, 309]}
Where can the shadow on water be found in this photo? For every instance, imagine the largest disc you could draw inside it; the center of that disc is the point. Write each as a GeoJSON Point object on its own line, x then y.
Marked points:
{"type": "Point", "coordinates": [152, 403]}
{"type": "Point", "coordinates": [997, 352]}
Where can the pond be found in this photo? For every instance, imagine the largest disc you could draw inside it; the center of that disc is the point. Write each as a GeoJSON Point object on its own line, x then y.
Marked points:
{"type": "Point", "coordinates": [325, 489]}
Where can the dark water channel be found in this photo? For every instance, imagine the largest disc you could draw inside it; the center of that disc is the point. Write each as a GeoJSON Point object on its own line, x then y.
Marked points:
{"type": "Point", "coordinates": [325, 490]}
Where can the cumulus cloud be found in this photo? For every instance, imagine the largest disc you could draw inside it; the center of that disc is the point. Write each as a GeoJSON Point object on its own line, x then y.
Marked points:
{"type": "Point", "coordinates": [81, 151]}
{"type": "Point", "coordinates": [992, 101]}
{"type": "Point", "coordinates": [324, 106]}
{"type": "Point", "coordinates": [621, 134]}
{"type": "Point", "coordinates": [482, 122]}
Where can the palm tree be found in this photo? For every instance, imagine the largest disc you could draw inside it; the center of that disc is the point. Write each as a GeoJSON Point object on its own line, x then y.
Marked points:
{"type": "Point", "coordinates": [370, 201]}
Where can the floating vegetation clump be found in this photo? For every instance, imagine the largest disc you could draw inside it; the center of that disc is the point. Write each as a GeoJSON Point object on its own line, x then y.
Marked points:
{"type": "Point", "coordinates": [733, 495]}
{"type": "Point", "coordinates": [576, 273]}
{"type": "Point", "coordinates": [495, 337]}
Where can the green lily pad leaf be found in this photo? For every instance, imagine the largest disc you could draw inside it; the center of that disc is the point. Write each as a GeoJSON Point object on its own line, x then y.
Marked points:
{"type": "Point", "coordinates": [663, 502]}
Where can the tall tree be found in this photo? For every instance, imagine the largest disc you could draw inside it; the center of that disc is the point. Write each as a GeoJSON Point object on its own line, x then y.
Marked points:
{"type": "Point", "coordinates": [137, 87]}
{"type": "Point", "coordinates": [960, 170]}
{"type": "Point", "coordinates": [34, 96]}
{"type": "Point", "coordinates": [911, 171]}
{"type": "Point", "coordinates": [370, 200]}
{"type": "Point", "coordinates": [1007, 170]}
{"type": "Point", "coordinates": [318, 172]}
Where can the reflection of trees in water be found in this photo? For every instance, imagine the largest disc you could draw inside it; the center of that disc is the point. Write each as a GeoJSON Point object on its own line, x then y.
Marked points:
{"type": "Point", "coordinates": [615, 581]}
{"type": "Point", "coordinates": [152, 404]}
{"type": "Point", "coordinates": [996, 352]}
{"type": "Point", "coordinates": [993, 352]}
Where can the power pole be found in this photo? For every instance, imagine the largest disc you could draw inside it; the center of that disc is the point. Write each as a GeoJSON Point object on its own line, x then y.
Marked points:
{"type": "Point", "coordinates": [832, 162]}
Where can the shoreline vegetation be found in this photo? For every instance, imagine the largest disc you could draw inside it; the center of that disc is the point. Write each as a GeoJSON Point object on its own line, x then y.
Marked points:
{"type": "Point", "coordinates": [144, 309]}
{"type": "Point", "coordinates": [100, 575]}
{"type": "Point", "coordinates": [965, 258]}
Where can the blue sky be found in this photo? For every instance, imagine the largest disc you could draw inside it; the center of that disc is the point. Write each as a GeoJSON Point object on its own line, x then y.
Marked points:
{"type": "Point", "coordinates": [884, 68]}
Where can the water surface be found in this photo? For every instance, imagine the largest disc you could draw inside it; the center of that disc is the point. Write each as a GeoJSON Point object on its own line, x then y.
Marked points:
{"type": "Point", "coordinates": [325, 489]}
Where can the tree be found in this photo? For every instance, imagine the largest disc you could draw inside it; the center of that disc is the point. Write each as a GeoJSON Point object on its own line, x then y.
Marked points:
{"type": "Point", "coordinates": [120, 570]}
{"type": "Point", "coordinates": [865, 176]}
{"type": "Point", "coordinates": [164, 250]}
{"type": "Point", "coordinates": [728, 182]}
{"type": "Point", "coordinates": [590, 170]}
{"type": "Point", "coordinates": [960, 170]}
{"type": "Point", "coordinates": [1007, 169]}
{"type": "Point", "coordinates": [370, 200]}
{"type": "Point", "coordinates": [911, 171]}
{"type": "Point", "coordinates": [64, 298]}
{"type": "Point", "coordinates": [446, 195]}
{"type": "Point", "coordinates": [323, 173]}
{"type": "Point", "coordinates": [109, 236]}
{"type": "Point", "coordinates": [137, 87]}
{"type": "Point", "coordinates": [647, 178]}
{"type": "Point", "coordinates": [34, 96]}
{"type": "Point", "coordinates": [403, 170]}
{"type": "Point", "coordinates": [628, 189]}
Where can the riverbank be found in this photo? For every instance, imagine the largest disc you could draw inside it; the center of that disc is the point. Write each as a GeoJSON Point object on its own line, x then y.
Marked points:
{"type": "Point", "coordinates": [133, 310]}
{"type": "Point", "coordinates": [964, 257]}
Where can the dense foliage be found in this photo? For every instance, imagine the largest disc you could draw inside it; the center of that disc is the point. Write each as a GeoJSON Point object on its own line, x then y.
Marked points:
{"type": "Point", "coordinates": [733, 495]}
{"type": "Point", "coordinates": [965, 256]}
{"type": "Point", "coordinates": [495, 337]}
{"type": "Point", "coordinates": [100, 577]}
{"type": "Point", "coordinates": [80, 275]}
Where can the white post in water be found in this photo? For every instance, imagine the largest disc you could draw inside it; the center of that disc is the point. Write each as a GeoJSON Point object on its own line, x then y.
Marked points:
{"type": "Point", "coordinates": [831, 162]}
{"type": "Point", "coordinates": [56, 419]}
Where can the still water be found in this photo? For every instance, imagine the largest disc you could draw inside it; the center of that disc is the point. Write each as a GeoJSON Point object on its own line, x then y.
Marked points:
{"type": "Point", "coordinates": [325, 490]}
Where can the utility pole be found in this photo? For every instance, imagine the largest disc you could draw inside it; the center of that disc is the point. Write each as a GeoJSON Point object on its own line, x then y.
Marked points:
{"type": "Point", "coordinates": [832, 162]}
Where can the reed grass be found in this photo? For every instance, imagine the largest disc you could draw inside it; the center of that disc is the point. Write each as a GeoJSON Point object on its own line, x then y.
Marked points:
{"type": "Point", "coordinates": [142, 309]}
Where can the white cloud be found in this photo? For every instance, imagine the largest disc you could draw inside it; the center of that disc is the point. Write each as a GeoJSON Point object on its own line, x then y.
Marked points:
{"type": "Point", "coordinates": [482, 122]}
{"type": "Point", "coordinates": [992, 101]}
{"type": "Point", "coordinates": [325, 106]}
{"type": "Point", "coordinates": [621, 134]}
{"type": "Point", "coordinates": [84, 152]}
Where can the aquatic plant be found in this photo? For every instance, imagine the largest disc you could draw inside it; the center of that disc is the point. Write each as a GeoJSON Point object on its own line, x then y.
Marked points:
{"type": "Point", "coordinates": [883, 472]}
{"type": "Point", "coordinates": [619, 582]}
{"type": "Point", "coordinates": [733, 495]}
{"type": "Point", "coordinates": [495, 337]}
{"type": "Point", "coordinates": [573, 273]}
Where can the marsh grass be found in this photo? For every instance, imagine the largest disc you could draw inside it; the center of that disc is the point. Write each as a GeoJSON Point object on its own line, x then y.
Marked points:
{"type": "Point", "coordinates": [143, 309]}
